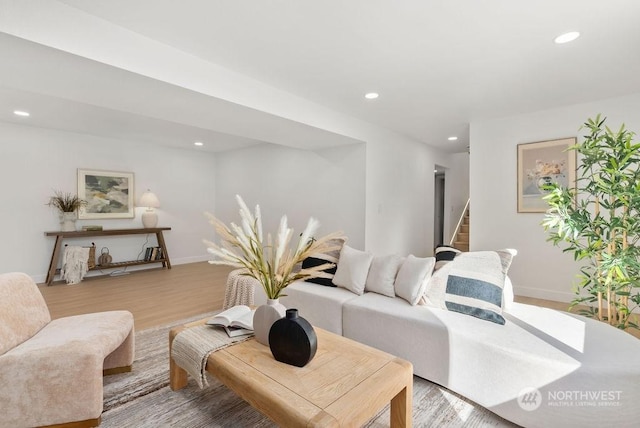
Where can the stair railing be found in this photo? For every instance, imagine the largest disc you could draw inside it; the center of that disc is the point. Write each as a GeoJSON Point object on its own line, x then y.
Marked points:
{"type": "Point", "coordinates": [464, 212]}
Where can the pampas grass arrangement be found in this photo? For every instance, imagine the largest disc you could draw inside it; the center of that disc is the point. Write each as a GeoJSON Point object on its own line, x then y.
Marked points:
{"type": "Point", "coordinates": [272, 262]}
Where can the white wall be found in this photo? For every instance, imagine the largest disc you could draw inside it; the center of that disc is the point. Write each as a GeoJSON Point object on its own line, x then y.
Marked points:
{"type": "Point", "coordinates": [327, 184]}
{"type": "Point", "coordinates": [400, 192]}
{"type": "Point", "coordinates": [399, 170]}
{"type": "Point", "coordinates": [540, 269]}
{"type": "Point", "coordinates": [36, 161]}
{"type": "Point", "coordinates": [379, 193]}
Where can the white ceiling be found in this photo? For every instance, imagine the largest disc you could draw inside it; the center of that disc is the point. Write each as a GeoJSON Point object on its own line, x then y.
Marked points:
{"type": "Point", "coordinates": [438, 65]}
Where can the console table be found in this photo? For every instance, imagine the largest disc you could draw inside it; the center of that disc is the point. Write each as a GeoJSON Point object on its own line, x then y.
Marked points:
{"type": "Point", "coordinates": [109, 232]}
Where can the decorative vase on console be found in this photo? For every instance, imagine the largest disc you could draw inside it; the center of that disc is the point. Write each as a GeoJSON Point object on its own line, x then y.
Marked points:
{"type": "Point", "coordinates": [68, 222]}
{"type": "Point", "coordinates": [67, 205]}
{"type": "Point", "coordinates": [271, 262]}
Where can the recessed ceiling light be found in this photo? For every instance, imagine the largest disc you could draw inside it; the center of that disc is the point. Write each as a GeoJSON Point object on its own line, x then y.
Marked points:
{"type": "Point", "coordinates": [371, 95]}
{"type": "Point", "coordinates": [452, 138]}
{"type": "Point", "coordinates": [198, 143]}
{"type": "Point", "coordinates": [21, 113]}
{"type": "Point", "coordinates": [567, 37]}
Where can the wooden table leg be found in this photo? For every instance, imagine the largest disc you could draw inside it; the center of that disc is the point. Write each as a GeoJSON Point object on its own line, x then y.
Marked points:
{"type": "Point", "coordinates": [165, 254]}
{"type": "Point", "coordinates": [53, 264]}
{"type": "Point", "coordinates": [178, 377]}
{"type": "Point", "coordinates": [402, 407]}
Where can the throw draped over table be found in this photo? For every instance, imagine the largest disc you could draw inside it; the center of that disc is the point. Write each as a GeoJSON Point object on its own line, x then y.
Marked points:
{"type": "Point", "coordinates": [240, 289]}
{"type": "Point", "coordinates": [75, 264]}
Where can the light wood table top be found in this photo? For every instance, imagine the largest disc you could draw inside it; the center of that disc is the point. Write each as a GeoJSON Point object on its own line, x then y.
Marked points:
{"type": "Point", "coordinates": [345, 384]}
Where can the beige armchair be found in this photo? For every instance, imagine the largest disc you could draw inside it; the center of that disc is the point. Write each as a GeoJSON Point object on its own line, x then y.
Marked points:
{"type": "Point", "coordinates": [51, 371]}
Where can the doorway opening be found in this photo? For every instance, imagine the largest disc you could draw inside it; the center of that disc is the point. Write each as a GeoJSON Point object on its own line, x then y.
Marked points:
{"type": "Point", "coordinates": [439, 173]}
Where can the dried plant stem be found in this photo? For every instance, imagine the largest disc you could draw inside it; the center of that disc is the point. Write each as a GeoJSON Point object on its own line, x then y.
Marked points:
{"type": "Point", "coordinates": [598, 261]}
{"type": "Point", "coordinates": [272, 262]}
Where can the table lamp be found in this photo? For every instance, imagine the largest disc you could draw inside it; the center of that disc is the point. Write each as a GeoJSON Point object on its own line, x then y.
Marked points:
{"type": "Point", "coordinates": [149, 217]}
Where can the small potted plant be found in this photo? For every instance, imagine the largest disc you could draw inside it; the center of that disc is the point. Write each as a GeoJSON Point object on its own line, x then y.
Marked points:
{"type": "Point", "coordinates": [67, 204]}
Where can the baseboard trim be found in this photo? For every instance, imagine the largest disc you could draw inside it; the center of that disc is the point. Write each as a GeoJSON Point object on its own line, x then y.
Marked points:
{"type": "Point", "coordinates": [537, 293]}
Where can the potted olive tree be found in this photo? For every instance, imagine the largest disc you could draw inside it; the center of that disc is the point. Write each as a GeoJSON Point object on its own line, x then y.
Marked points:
{"type": "Point", "coordinates": [599, 222]}
{"type": "Point", "coordinates": [67, 204]}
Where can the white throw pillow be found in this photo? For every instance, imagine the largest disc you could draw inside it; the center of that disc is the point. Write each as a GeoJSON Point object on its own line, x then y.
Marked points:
{"type": "Point", "coordinates": [412, 278]}
{"type": "Point", "coordinates": [472, 284]}
{"type": "Point", "coordinates": [353, 268]}
{"type": "Point", "coordinates": [507, 295]}
{"type": "Point", "coordinates": [382, 275]}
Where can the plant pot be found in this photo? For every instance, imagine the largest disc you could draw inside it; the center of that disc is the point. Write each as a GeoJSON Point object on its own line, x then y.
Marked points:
{"type": "Point", "coordinates": [293, 340]}
{"type": "Point", "coordinates": [264, 318]}
{"type": "Point", "coordinates": [68, 222]}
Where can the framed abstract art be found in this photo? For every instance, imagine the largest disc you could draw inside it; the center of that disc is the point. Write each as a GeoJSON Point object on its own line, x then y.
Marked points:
{"type": "Point", "coordinates": [109, 194]}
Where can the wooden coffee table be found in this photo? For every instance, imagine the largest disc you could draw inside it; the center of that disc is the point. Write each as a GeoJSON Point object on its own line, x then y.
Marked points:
{"type": "Point", "coordinates": [345, 384]}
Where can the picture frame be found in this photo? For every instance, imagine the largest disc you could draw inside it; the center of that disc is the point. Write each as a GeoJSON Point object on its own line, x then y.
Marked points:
{"type": "Point", "coordinates": [109, 194]}
{"type": "Point", "coordinates": [540, 163]}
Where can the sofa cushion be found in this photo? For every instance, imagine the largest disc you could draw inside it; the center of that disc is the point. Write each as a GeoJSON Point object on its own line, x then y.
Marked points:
{"type": "Point", "coordinates": [472, 284]}
{"type": "Point", "coordinates": [444, 254]}
{"type": "Point", "coordinates": [382, 274]}
{"type": "Point", "coordinates": [320, 305]}
{"type": "Point", "coordinates": [491, 364]}
{"type": "Point", "coordinates": [353, 269]}
{"type": "Point", "coordinates": [413, 277]}
{"type": "Point", "coordinates": [326, 276]}
{"type": "Point", "coordinates": [333, 256]}
{"type": "Point", "coordinates": [420, 334]}
{"type": "Point", "coordinates": [507, 295]}
{"type": "Point", "coordinates": [24, 311]}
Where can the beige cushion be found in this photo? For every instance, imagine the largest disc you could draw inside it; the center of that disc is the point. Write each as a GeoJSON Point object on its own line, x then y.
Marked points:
{"type": "Point", "coordinates": [382, 275]}
{"type": "Point", "coordinates": [412, 278]}
{"type": "Point", "coordinates": [352, 269]}
{"type": "Point", "coordinates": [24, 311]}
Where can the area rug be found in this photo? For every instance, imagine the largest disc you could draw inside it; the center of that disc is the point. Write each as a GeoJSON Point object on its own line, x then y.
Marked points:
{"type": "Point", "coordinates": [143, 398]}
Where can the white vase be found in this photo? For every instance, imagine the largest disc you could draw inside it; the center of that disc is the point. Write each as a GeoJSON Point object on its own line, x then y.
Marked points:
{"type": "Point", "coordinates": [68, 222]}
{"type": "Point", "coordinates": [264, 318]}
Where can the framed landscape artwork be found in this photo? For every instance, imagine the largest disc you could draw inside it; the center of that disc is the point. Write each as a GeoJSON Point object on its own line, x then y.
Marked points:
{"type": "Point", "coordinates": [109, 194]}
{"type": "Point", "coordinates": [543, 163]}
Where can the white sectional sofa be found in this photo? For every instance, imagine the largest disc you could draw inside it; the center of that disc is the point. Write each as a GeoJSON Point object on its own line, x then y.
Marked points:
{"type": "Point", "coordinates": [542, 368]}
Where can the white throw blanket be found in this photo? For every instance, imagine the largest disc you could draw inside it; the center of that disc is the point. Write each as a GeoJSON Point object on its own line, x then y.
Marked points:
{"type": "Point", "coordinates": [191, 348]}
{"type": "Point", "coordinates": [240, 289]}
{"type": "Point", "coordinates": [75, 264]}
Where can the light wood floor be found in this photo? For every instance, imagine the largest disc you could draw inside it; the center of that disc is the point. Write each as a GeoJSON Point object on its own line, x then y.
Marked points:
{"type": "Point", "coordinates": [153, 296]}
{"type": "Point", "coordinates": [161, 296]}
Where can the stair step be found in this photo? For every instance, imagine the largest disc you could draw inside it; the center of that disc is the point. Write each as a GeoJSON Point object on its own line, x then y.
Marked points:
{"type": "Point", "coordinates": [462, 238]}
{"type": "Point", "coordinates": [462, 246]}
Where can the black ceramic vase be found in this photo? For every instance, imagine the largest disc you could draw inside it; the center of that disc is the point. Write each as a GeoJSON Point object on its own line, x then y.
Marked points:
{"type": "Point", "coordinates": [292, 340]}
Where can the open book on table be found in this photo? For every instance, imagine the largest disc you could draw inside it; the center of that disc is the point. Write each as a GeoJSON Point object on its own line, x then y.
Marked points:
{"type": "Point", "coordinates": [236, 321]}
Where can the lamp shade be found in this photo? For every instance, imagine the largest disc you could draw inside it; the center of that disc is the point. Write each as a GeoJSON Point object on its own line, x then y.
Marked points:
{"type": "Point", "coordinates": [149, 199]}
